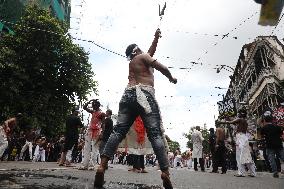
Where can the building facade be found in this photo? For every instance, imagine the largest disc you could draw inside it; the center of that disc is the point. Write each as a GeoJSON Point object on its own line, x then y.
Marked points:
{"type": "Point", "coordinates": [258, 79]}
{"type": "Point", "coordinates": [11, 10]}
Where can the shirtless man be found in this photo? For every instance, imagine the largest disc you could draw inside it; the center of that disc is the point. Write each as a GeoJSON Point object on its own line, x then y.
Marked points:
{"type": "Point", "coordinates": [6, 130]}
{"type": "Point", "coordinates": [139, 99]}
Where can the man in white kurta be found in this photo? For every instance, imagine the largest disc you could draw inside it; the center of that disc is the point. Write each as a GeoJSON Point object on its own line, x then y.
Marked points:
{"type": "Point", "coordinates": [196, 139]}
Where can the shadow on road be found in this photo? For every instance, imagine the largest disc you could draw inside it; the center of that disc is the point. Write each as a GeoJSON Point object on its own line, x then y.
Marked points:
{"type": "Point", "coordinates": [35, 180]}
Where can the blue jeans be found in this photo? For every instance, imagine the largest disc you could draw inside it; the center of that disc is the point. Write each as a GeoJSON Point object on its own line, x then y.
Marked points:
{"type": "Point", "coordinates": [272, 154]}
{"type": "Point", "coordinates": [129, 109]}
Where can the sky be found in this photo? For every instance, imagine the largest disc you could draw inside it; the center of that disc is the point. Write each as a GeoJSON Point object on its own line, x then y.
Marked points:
{"type": "Point", "coordinates": [192, 31]}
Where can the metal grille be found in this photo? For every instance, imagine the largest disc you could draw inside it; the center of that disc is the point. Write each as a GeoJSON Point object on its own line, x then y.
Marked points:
{"type": "Point", "coordinates": [260, 98]}
{"type": "Point", "coordinates": [271, 88]}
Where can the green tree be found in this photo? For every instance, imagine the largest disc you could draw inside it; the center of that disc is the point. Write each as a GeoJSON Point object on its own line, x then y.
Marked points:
{"type": "Point", "coordinates": [205, 135]}
{"type": "Point", "coordinates": [188, 136]}
{"type": "Point", "coordinates": [42, 73]}
{"type": "Point", "coordinates": [173, 145]}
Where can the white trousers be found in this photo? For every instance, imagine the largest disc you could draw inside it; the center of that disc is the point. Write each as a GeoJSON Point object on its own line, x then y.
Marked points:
{"type": "Point", "coordinates": [90, 152]}
{"type": "Point", "coordinates": [69, 155]}
{"type": "Point", "coordinates": [115, 160]}
{"type": "Point", "coordinates": [242, 167]}
{"type": "Point", "coordinates": [24, 148]}
{"type": "Point", "coordinates": [39, 154]}
{"type": "Point", "coordinates": [176, 160]}
{"type": "Point", "coordinates": [3, 141]}
{"type": "Point", "coordinates": [189, 163]}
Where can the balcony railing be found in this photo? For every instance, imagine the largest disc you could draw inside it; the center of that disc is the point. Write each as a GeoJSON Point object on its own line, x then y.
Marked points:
{"type": "Point", "coordinates": [266, 72]}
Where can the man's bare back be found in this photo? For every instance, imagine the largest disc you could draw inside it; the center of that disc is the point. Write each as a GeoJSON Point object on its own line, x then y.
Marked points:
{"type": "Point", "coordinates": [141, 70]}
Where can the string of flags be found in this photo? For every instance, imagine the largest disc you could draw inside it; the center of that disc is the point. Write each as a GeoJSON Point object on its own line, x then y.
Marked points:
{"type": "Point", "coordinates": [229, 33]}
{"type": "Point", "coordinates": [170, 67]}
{"type": "Point", "coordinates": [277, 25]}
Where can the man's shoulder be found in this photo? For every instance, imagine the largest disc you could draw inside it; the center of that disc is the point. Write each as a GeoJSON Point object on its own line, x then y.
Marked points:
{"type": "Point", "coordinates": [141, 57]}
{"type": "Point", "coordinates": [70, 116]}
{"type": "Point", "coordinates": [271, 125]}
{"type": "Point", "coordinates": [73, 117]}
{"type": "Point", "coordinates": [13, 119]}
{"type": "Point", "coordinates": [109, 119]}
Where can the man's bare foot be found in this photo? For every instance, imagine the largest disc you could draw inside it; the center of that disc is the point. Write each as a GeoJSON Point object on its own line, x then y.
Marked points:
{"type": "Point", "coordinates": [99, 178]}
{"type": "Point", "coordinates": [166, 181]}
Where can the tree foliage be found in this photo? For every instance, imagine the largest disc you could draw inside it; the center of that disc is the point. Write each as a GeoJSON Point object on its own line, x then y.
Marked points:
{"type": "Point", "coordinates": [11, 10]}
{"type": "Point", "coordinates": [42, 74]}
{"type": "Point", "coordinates": [173, 145]}
{"type": "Point", "coordinates": [205, 143]}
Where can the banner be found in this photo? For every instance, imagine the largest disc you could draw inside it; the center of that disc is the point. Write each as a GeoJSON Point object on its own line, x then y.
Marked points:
{"type": "Point", "coordinates": [278, 115]}
{"type": "Point", "coordinates": [227, 108]}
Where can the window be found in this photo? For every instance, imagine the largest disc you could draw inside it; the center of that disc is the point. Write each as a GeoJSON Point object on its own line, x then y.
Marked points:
{"type": "Point", "coordinates": [258, 62]}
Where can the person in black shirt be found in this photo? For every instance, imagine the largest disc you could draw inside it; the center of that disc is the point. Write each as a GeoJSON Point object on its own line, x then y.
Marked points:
{"type": "Point", "coordinates": [212, 143]}
{"type": "Point", "coordinates": [73, 122]}
{"type": "Point", "coordinates": [220, 152]}
{"type": "Point", "coordinates": [272, 135]}
{"type": "Point", "coordinates": [107, 130]}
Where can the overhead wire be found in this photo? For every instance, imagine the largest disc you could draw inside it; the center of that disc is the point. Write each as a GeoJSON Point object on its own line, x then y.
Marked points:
{"type": "Point", "coordinates": [224, 36]}
{"type": "Point", "coordinates": [119, 54]}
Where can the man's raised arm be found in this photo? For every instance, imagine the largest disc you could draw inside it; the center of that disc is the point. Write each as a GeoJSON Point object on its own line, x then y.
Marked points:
{"type": "Point", "coordinates": [153, 47]}
{"type": "Point", "coordinates": [160, 67]}
{"type": "Point", "coordinates": [85, 107]}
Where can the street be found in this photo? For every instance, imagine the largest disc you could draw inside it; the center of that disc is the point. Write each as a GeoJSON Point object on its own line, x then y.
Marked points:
{"type": "Point", "coordinates": [30, 175]}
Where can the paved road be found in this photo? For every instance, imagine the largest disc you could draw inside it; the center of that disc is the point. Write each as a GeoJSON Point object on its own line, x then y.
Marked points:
{"type": "Point", "coordinates": [33, 175]}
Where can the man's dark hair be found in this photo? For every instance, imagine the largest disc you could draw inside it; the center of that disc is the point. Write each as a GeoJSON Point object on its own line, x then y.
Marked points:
{"type": "Point", "coordinates": [96, 102]}
{"type": "Point", "coordinates": [110, 112]}
{"type": "Point", "coordinates": [242, 113]}
{"type": "Point", "coordinates": [19, 115]}
{"type": "Point", "coordinates": [75, 110]}
{"type": "Point", "coordinates": [129, 49]}
{"type": "Point", "coordinates": [267, 117]}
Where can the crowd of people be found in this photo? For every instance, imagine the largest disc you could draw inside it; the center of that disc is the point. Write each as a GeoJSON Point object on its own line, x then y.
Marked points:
{"type": "Point", "coordinates": [29, 145]}
{"type": "Point", "coordinates": [84, 146]}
